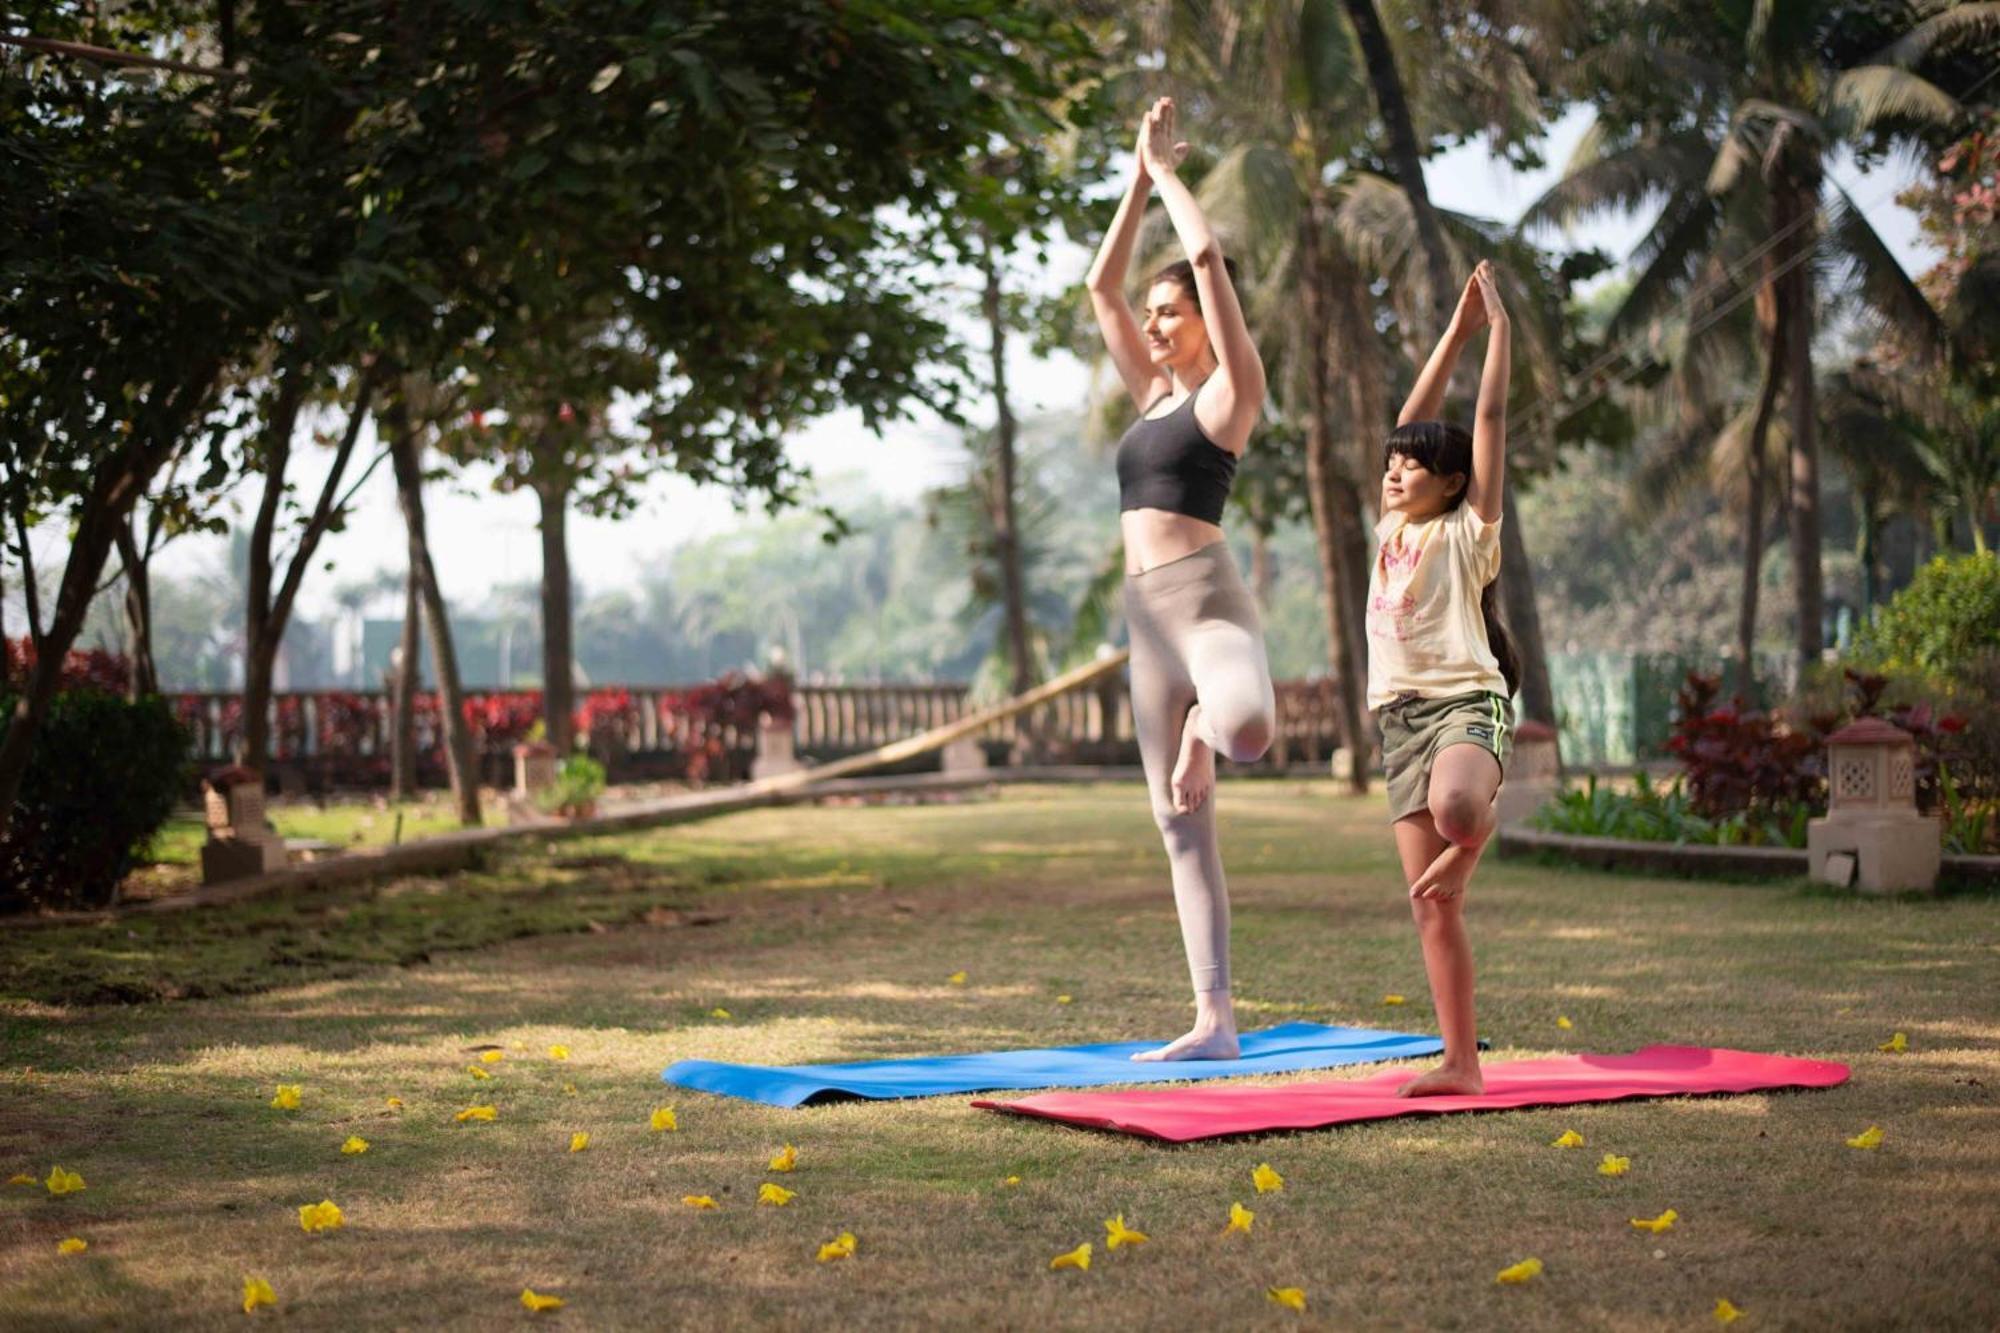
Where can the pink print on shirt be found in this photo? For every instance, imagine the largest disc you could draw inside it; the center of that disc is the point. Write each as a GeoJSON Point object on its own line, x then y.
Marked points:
{"type": "Point", "coordinates": [1392, 610]}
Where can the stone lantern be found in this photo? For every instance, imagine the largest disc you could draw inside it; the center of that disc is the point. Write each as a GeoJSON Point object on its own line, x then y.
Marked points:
{"type": "Point", "coordinates": [776, 751]}
{"type": "Point", "coordinates": [1534, 773]}
{"type": "Point", "coordinates": [241, 842]}
{"type": "Point", "coordinates": [534, 769]}
{"type": "Point", "coordinates": [1872, 836]}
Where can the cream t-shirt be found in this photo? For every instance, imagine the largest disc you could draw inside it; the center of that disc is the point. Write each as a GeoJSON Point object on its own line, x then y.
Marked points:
{"type": "Point", "coordinates": [1426, 635]}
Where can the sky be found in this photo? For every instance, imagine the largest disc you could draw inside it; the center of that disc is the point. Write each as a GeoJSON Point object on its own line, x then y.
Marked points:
{"type": "Point", "coordinates": [481, 539]}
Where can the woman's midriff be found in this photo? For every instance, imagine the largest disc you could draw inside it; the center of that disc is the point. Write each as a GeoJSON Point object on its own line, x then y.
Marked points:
{"type": "Point", "coordinates": [1155, 536]}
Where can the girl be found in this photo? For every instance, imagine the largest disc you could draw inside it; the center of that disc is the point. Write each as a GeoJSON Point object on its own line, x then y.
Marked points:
{"type": "Point", "coordinates": [1440, 668]}
{"type": "Point", "coordinates": [1200, 682]}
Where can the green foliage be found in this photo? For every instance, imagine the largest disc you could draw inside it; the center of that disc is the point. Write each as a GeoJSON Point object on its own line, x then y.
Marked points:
{"type": "Point", "coordinates": [1971, 827]}
{"type": "Point", "coordinates": [1666, 814]}
{"type": "Point", "coordinates": [579, 782]}
{"type": "Point", "coordinates": [103, 778]}
{"type": "Point", "coordinates": [1948, 614]}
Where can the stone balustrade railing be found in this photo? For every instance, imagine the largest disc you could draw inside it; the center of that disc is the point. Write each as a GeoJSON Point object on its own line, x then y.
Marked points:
{"type": "Point", "coordinates": [341, 738]}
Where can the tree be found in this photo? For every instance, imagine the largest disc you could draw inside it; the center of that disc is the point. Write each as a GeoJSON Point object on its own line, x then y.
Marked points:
{"type": "Point", "coordinates": [272, 586]}
{"type": "Point", "coordinates": [1748, 120]}
{"type": "Point", "coordinates": [134, 269]}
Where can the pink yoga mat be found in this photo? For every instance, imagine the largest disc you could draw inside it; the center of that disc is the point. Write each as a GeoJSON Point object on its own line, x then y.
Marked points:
{"type": "Point", "coordinates": [1207, 1111]}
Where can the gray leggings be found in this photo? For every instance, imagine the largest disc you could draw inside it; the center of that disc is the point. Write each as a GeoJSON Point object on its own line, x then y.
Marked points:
{"type": "Point", "coordinates": [1196, 637]}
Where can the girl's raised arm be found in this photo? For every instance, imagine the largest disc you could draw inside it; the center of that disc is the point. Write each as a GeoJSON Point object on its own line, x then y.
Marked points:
{"type": "Point", "coordinates": [1487, 491]}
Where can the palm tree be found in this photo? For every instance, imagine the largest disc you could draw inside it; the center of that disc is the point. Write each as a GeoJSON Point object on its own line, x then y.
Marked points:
{"type": "Point", "coordinates": [1755, 114]}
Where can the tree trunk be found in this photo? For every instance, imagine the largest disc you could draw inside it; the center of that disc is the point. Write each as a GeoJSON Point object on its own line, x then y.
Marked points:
{"type": "Point", "coordinates": [268, 612]}
{"type": "Point", "coordinates": [1405, 155]}
{"type": "Point", "coordinates": [451, 702]}
{"type": "Point", "coordinates": [1260, 566]}
{"type": "Point", "coordinates": [145, 678]}
{"type": "Point", "coordinates": [1524, 618]}
{"type": "Point", "coordinates": [403, 698]}
{"type": "Point", "coordinates": [558, 637]}
{"type": "Point", "coordinates": [1871, 518]}
{"type": "Point", "coordinates": [1796, 293]}
{"type": "Point", "coordinates": [115, 488]}
{"type": "Point", "coordinates": [1006, 528]}
{"type": "Point", "coordinates": [1773, 322]}
{"type": "Point", "coordinates": [1336, 509]}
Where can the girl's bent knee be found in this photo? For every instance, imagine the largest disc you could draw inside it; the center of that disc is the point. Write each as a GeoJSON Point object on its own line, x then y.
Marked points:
{"type": "Point", "coordinates": [1459, 815]}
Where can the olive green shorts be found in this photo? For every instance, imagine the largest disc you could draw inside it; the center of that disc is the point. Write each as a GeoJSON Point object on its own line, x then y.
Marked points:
{"type": "Point", "coordinates": [1414, 730]}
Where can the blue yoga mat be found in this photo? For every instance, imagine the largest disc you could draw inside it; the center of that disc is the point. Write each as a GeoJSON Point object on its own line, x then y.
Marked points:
{"type": "Point", "coordinates": [1279, 1050]}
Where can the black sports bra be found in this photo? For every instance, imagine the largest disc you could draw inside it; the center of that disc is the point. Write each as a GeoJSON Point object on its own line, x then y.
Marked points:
{"type": "Point", "coordinates": [1170, 463]}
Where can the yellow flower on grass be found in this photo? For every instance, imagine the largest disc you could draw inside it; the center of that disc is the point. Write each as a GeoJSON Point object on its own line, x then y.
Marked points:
{"type": "Point", "coordinates": [355, 1145]}
{"type": "Point", "coordinates": [22, 1178]}
{"type": "Point", "coordinates": [491, 1057]}
{"type": "Point", "coordinates": [1077, 1258]}
{"type": "Point", "coordinates": [1613, 1165]}
{"type": "Point", "coordinates": [1011, 1180]}
{"type": "Point", "coordinates": [322, 1216]}
{"type": "Point", "coordinates": [1564, 1023]}
{"type": "Point", "coordinates": [1392, 999]}
{"type": "Point", "coordinates": [256, 1292]}
{"type": "Point", "coordinates": [956, 978]}
{"type": "Point", "coordinates": [394, 1103]}
{"type": "Point", "coordinates": [1897, 1044]}
{"type": "Point", "coordinates": [537, 1301]}
{"type": "Point", "coordinates": [1870, 1137]}
{"type": "Point", "coordinates": [663, 1120]}
{"type": "Point", "coordinates": [475, 1113]}
{"type": "Point", "coordinates": [699, 1201]}
{"type": "Point", "coordinates": [1116, 1233]}
{"type": "Point", "coordinates": [1725, 1313]}
{"type": "Point", "coordinates": [288, 1096]}
{"type": "Point", "coordinates": [61, 1182]}
{"type": "Point", "coordinates": [775, 1195]}
{"type": "Point", "coordinates": [1656, 1224]}
{"type": "Point", "coordinates": [558, 1052]}
{"type": "Point", "coordinates": [718, 1012]}
{"type": "Point", "coordinates": [477, 1072]}
{"type": "Point", "coordinates": [1065, 999]}
{"type": "Point", "coordinates": [1514, 1274]}
{"type": "Point", "coordinates": [1266, 1180]}
{"type": "Point", "coordinates": [785, 1159]}
{"type": "Point", "coordinates": [579, 1141]}
{"type": "Point", "coordinates": [74, 1245]}
{"type": "Point", "coordinates": [1292, 1298]}
{"type": "Point", "coordinates": [1240, 1218]}
{"type": "Point", "coordinates": [840, 1247]}
{"type": "Point", "coordinates": [1570, 1139]}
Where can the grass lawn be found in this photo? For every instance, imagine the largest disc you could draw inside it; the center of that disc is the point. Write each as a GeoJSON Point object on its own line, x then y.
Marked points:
{"type": "Point", "coordinates": [828, 934]}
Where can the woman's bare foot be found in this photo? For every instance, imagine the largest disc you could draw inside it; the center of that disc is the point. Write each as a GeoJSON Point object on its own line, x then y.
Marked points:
{"type": "Point", "coordinates": [1213, 1036]}
{"type": "Point", "coordinates": [1194, 771]}
{"type": "Point", "coordinates": [1447, 1080]}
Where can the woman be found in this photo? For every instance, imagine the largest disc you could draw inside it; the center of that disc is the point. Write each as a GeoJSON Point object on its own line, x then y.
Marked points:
{"type": "Point", "coordinates": [1200, 682]}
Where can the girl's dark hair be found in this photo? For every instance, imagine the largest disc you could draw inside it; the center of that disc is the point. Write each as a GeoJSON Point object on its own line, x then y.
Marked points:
{"type": "Point", "coordinates": [1442, 448]}
{"type": "Point", "coordinates": [1181, 273]}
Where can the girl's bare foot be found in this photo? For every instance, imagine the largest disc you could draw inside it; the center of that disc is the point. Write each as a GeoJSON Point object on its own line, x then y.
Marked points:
{"type": "Point", "coordinates": [1448, 876]}
{"type": "Point", "coordinates": [1447, 1080]}
{"type": "Point", "coordinates": [1213, 1036]}
{"type": "Point", "coordinates": [1194, 771]}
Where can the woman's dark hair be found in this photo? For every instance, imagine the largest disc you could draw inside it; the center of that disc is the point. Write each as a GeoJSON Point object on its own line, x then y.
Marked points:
{"type": "Point", "coordinates": [1181, 274]}
{"type": "Point", "coordinates": [1446, 450]}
